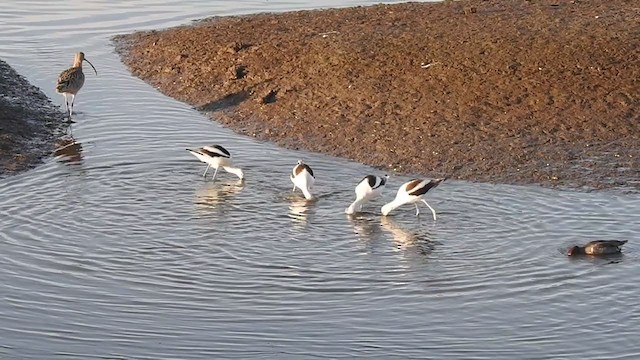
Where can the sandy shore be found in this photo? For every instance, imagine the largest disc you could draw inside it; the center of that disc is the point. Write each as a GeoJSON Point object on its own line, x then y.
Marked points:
{"type": "Point", "coordinates": [29, 123]}
{"type": "Point", "coordinates": [502, 91]}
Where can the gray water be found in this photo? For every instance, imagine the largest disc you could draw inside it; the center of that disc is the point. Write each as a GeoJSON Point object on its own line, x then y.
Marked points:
{"type": "Point", "coordinates": [120, 250]}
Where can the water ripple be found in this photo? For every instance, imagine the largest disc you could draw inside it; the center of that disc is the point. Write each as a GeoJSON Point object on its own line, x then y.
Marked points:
{"type": "Point", "coordinates": [117, 248]}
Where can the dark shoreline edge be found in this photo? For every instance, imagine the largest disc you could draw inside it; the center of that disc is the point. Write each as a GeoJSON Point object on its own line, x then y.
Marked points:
{"type": "Point", "coordinates": [29, 123]}
{"type": "Point", "coordinates": [172, 60]}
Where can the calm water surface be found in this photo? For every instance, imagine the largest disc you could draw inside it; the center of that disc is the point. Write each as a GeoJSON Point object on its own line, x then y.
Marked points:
{"type": "Point", "coordinates": [119, 249]}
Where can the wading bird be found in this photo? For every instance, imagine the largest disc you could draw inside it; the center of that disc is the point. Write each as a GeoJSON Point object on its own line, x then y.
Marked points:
{"type": "Point", "coordinates": [368, 188]}
{"type": "Point", "coordinates": [410, 193]}
{"type": "Point", "coordinates": [216, 156]}
{"type": "Point", "coordinates": [71, 80]}
{"type": "Point", "coordinates": [303, 179]}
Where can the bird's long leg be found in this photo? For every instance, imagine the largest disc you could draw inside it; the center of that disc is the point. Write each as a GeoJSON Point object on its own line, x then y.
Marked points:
{"type": "Point", "coordinates": [417, 209]}
{"type": "Point", "coordinates": [432, 211]}
{"type": "Point", "coordinates": [205, 170]}
{"type": "Point", "coordinates": [294, 189]}
{"type": "Point", "coordinates": [73, 98]}
{"type": "Point", "coordinates": [214, 175]}
{"type": "Point", "coordinates": [66, 104]}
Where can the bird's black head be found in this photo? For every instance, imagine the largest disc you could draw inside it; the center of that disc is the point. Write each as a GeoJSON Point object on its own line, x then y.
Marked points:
{"type": "Point", "coordinates": [574, 250]}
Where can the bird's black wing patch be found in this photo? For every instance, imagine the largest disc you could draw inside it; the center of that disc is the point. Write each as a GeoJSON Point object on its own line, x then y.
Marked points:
{"type": "Point", "coordinates": [371, 180]}
{"type": "Point", "coordinates": [308, 169]}
{"type": "Point", "coordinates": [425, 188]}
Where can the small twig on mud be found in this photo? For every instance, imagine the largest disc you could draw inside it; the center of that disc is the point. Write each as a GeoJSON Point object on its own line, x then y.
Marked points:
{"type": "Point", "coordinates": [426, 66]}
{"type": "Point", "coordinates": [325, 34]}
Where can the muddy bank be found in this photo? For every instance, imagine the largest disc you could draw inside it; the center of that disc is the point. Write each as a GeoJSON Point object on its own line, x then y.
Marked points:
{"type": "Point", "coordinates": [499, 91]}
{"type": "Point", "coordinates": [29, 123]}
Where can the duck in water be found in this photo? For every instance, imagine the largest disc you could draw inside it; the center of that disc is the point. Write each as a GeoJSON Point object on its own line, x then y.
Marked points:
{"type": "Point", "coordinates": [597, 247]}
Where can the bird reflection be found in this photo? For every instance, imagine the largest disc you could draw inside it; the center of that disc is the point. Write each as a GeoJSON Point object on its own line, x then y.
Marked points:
{"type": "Point", "coordinates": [364, 227]}
{"type": "Point", "coordinates": [299, 210]}
{"type": "Point", "coordinates": [596, 260]}
{"type": "Point", "coordinates": [212, 194]}
{"type": "Point", "coordinates": [405, 240]}
{"type": "Point", "coordinates": [68, 151]}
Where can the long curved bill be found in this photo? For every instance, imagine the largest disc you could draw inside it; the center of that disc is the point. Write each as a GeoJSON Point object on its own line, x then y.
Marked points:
{"type": "Point", "coordinates": [94, 69]}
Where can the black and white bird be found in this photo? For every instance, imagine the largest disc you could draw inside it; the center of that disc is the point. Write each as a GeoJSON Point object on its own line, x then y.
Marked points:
{"type": "Point", "coordinates": [303, 179]}
{"type": "Point", "coordinates": [368, 188]}
{"type": "Point", "coordinates": [71, 80]}
{"type": "Point", "coordinates": [216, 156]}
{"type": "Point", "coordinates": [410, 193]}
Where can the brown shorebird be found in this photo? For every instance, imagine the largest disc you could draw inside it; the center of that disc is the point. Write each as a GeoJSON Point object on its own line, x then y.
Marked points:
{"type": "Point", "coordinates": [71, 80]}
{"type": "Point", "coordinates": [216, 156]}
{"type": "Point", "coordinates": [597, 247]}
{"type": "Point", "coordinates": [410, 193]}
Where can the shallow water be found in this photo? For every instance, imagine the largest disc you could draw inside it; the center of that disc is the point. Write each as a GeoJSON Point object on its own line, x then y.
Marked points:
{"type": "Point", "coordinates": [117, 248]}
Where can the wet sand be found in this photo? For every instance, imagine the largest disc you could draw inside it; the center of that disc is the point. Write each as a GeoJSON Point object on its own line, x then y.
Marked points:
{"type": "Point", "coordinates": [505, 91]}
{"type": "Point", "coordinates": [29, 123]}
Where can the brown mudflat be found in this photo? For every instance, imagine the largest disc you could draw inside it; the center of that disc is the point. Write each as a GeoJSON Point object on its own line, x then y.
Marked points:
{"type": "Point", "coordinates": [502, 91]}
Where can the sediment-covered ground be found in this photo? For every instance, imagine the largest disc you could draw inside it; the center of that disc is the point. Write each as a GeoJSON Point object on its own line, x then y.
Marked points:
{"type": "Point", "coordinates": [29, 122]}
{"type": "Point", "coordinates": [500, 90]}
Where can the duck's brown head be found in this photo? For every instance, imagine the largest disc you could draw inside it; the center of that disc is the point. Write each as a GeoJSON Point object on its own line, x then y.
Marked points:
{"type": "Point", "coordinates": [574, 250]}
